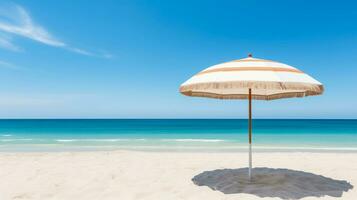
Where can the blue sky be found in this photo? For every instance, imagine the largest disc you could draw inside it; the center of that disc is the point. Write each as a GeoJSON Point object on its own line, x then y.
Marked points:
{"type": "Point", "coordinates": [126, 59]}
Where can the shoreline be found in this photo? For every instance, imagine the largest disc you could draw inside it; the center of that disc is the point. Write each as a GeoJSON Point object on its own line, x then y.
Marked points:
{"type": "Point", "coordinates": [44, 149]}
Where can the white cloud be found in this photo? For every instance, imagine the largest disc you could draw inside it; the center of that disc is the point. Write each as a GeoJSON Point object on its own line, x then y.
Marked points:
{"type": "Point", "coordinates": [4, 64]}
{"type": "Point", "coordinates": [19, 22]}
{"type": "Point", "coordinates": [107, 55]}
{"type": "Point", "coordinates": [6, 43]}
{"type": "Point", "coordinates": [15, 20]}
{"type": "Point", "coordinates": [80, 51]}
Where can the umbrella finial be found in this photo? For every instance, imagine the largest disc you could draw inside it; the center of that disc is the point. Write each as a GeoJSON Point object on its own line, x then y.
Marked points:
{"type": "Point", "coordinates": [250, 55]}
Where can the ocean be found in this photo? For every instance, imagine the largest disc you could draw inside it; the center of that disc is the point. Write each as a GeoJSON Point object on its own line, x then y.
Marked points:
{"type": "Point", "coordinates": [216, 135]}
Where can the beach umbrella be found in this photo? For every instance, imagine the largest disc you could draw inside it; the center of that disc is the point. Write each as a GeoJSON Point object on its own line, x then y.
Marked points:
{"type": "Point", "coordinates": [251, 78]}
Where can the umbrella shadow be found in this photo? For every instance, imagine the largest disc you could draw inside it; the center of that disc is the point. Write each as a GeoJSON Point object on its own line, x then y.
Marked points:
{"type": "Point", "coordinates": [268, 182]}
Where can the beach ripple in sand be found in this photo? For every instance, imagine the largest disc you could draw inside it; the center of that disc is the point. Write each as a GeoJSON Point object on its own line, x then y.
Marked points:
{"type": "Point", "coordinates": [268, 182]}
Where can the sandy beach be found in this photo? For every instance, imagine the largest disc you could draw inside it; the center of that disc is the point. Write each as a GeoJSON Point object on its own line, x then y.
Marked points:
{"type": "Point", "coordinates": [149, 175]}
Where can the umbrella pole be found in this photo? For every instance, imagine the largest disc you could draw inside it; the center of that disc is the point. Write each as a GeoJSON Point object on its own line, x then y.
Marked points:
{"type": "Point", "coordinates": [250, 133]}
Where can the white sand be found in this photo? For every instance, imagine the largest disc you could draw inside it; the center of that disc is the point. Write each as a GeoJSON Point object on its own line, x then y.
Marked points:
{"type": "Point", "coordinates": [127, 175]}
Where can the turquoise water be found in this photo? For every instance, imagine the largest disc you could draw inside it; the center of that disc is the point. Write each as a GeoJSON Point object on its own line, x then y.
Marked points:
{"type": "Point", "coordinates": [177, 135]}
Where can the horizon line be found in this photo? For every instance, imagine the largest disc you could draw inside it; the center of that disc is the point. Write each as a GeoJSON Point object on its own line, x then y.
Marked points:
{"type": "Point", "coordinates": [177, 119]}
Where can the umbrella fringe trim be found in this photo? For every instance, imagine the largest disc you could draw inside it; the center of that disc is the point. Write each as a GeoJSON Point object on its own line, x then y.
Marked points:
{"type": "Point", "coordinates": [304, 89]}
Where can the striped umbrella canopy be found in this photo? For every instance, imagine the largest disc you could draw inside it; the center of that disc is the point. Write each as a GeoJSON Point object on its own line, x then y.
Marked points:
{"type": "Point", "coordinates": [251, 78]}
